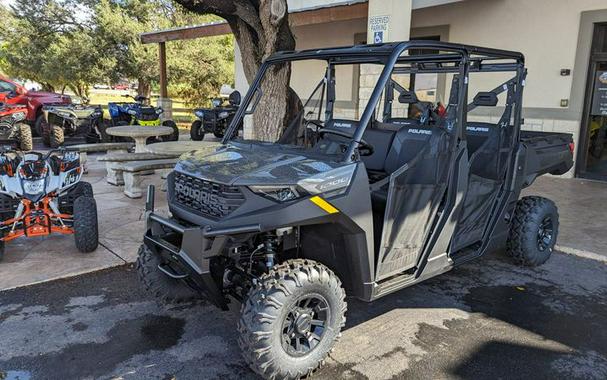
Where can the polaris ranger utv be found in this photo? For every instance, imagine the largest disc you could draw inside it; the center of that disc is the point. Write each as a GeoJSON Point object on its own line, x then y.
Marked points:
{"type": "Point", "coordinates": [353, 205]}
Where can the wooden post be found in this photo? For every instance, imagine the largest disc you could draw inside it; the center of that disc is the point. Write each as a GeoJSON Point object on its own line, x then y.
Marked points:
{"type": "Point", "coordinates": [163, 69]}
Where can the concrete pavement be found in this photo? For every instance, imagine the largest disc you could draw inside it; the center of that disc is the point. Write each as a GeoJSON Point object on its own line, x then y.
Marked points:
{"type": "Point", "coordinates": [487, 319]}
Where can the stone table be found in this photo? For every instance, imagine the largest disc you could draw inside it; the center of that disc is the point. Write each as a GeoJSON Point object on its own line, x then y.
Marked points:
{"type": "Point", "coordinates": [180, 147]}
{"type": "Point", "coordinates": [139, 133]}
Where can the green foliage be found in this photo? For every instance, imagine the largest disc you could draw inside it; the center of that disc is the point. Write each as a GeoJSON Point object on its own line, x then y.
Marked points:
{"type": "Point", "coordinates": [76, 43]}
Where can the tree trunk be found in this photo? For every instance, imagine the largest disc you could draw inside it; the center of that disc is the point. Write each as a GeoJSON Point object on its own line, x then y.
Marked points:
{"type": "Point", "coordinates": [261, 28]}
{"type": "Point", "coordinates": [144, 87]}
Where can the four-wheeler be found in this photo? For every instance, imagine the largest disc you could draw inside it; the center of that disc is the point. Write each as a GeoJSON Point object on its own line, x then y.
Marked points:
{"type": "Point", "coordinates": [72, 120]}
{"type": "Point", "coordinates": [41, 194]}
{"type": "Point", "coordinates": [215, 120]}
{"type": "Point", "coordinates": [13, 93]}
{"type": "Point", "coordinates": [13, 129]}
{"type": "Point", "coordinates": [140, 113]}
{"type": "Point", "coordinates": [289, 225]}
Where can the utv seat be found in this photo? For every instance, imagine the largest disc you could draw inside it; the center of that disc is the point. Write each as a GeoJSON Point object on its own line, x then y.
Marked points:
{"type": "Point", "coordinates": [409, 143]}
{"type": "Point", "coordinates": [483, 142]}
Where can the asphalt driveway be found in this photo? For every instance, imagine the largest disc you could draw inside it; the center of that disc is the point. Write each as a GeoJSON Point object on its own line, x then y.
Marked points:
{"type": "Point", "coordinates": [487, 319]}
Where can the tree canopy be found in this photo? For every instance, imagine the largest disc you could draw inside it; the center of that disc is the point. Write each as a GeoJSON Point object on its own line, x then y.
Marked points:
{"type": "Point", "coordinates": [77, 43]}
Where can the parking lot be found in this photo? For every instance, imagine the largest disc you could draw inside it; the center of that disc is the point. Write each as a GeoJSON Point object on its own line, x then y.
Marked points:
{"type": "Point", "coordinates": [487, 319]}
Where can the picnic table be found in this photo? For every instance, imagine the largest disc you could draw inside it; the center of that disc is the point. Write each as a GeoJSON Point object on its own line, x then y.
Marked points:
{"type": "Point", "coordinates": [139, 133]}
{"type": "Point", "coordinates": [180, 147]}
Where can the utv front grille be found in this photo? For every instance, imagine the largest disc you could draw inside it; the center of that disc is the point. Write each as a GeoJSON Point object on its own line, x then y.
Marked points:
{"type": "Point", "coordinates": [206, 198]}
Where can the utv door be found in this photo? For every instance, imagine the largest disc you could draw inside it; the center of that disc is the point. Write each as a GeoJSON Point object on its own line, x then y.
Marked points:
{"type": "Point", "coordinates": [414, 194]}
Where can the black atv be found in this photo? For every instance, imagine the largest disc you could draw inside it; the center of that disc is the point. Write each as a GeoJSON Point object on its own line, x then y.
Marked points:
{"type": "Point", "coordinates": [71, 120]}
{"type": "Point", "coordinates": [361, 207]}
{"type": "Point", "coordinates": [217, 119]}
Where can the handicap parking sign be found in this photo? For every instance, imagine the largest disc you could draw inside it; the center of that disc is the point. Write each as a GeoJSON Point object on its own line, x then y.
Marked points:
{"type": "Point", "coordinates": [378, 37]}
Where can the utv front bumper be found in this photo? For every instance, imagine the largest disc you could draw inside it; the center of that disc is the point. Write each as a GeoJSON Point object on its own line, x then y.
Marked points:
{"type": "Point", "coordinates": [186, 251]}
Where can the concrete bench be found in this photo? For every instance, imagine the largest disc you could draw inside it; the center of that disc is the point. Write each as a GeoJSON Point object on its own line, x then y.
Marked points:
{"type": "Point", "coordinates": [133, 174]}
{"type": "Point", "coordinates": [99, 147]}
{"type": "Point", "coordinates": [115, 161]}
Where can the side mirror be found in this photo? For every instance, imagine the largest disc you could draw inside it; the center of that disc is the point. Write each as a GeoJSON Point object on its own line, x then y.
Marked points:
{"type": "Point", "coordinates": [235, 98]}
{"type": "Point", "coordinates": [485, 99]}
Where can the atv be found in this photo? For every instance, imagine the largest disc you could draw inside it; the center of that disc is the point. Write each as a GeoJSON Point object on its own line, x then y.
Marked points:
{"type": "Point", "coordinates": [13, 129]}
{"type": "Point", "coordinates": [331, 206]}
{"type": "Point", "coordinates": [140, 113]}
{"type": "Point", "coordinates": [42, 194]}
{"type": "Point", "coordinates": [215, 120]}
{"type": "Point", "coordinates": [72, 120]}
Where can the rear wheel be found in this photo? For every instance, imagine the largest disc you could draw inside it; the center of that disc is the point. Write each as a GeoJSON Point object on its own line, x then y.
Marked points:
{"type": "Point", "coordinates": [166, 290]}
{"type": "Point", "coordinates": [38, 124]}
{"type": "Point", "coordinates": [25, 137]}
{"type": "Point", "coordinates": [196, 132]}
{"type": "Point", "coordinates": [173, 136]}
{"type": "Point", "coordinates": [292, 319]}
{"type": "Point", "coordinates": [56, 136]}
{"type": "Point", "coordinates": [86, 232]}
{"type": "Point", "coordinates": [534, 231]}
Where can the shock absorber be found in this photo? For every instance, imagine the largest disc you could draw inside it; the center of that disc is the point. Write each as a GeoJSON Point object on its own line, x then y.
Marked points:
{"type": "Point", "coordinates": [271, 246]}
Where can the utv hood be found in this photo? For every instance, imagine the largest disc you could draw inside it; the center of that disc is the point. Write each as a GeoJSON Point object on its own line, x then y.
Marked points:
{"type": "Point", "coordinates": [252, 165]}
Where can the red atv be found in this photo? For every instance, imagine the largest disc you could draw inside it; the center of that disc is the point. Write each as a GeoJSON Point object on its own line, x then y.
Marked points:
{"type": "Point", "coordinates": [13, 129]}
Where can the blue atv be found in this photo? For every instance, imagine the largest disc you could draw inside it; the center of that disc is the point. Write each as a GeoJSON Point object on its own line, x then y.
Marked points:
{"type": "Point", "coordinates": [140, 112]}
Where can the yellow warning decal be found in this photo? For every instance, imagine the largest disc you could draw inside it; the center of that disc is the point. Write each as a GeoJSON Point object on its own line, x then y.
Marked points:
{"type": "Point", "coordinates": [328, 207]}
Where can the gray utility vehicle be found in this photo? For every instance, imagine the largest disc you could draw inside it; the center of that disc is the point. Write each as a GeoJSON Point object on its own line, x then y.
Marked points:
{"type": "Point", "coordinates": [362, 207]}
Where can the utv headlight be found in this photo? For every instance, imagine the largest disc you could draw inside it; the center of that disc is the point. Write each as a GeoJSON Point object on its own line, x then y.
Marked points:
{"type": "Point", "coordinates": [335, 181]}
{"type": "Point", "coordinates": [132, 112]}
{"type": "Point", "coordinates": [33, 187]}
{"type": "Point", "coordinates": [159, 110]}
{"type": "Point", "coordinates": [199, 114]}
{"type": "Point", "coordinates": [277, 193]}
{"type": "Point", "coordinates": [223, 115]}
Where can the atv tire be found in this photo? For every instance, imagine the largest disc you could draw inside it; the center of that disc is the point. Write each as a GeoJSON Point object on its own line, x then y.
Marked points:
{"type": "Point", "coordinates": [297, 301]}
{"type": "Point", "coordinates": [166, 290]}
{"type": "Point", "coordinates": [67, 200]}
{"type": "Point", "coordinates": [86, 231]}
{"type": "Point", "coordinates": [219, 135]}
{"type": "Point", "coordinates": [195, 133]}
{"type": "Point", "coordinates": [173, 136]}
{"type": "Point", "coordinates": [38, 129]}
{"type": "Point", "coordinates": [56, 136]}
{"type": "Point", "coordinates": [25, 137]}
{"type": "Point", "coordinates": [533, 232]}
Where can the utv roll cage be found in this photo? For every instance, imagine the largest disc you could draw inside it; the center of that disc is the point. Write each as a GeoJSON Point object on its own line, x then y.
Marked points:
{"type": "Point", "coordinates": [443, 58]}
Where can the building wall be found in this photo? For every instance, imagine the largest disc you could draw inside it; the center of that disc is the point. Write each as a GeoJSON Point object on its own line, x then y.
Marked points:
{"type": "Point", "coordinates": [545, 31]}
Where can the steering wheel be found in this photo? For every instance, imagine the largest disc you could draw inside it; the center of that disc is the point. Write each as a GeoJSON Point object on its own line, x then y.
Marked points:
{"type": "Point", "coordinates": [364, 148]}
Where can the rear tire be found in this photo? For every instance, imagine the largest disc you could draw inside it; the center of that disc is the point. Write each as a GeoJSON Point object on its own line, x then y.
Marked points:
{"type": "Point", "coordinates": [25, 137]}
{"type": "Point", "coordinates": [297, 301]}
{"type": "Point", "coordinates": [40, 119]}
{"type": "Point", "coordinates": [166, 290]}
{"type": "Point", "coordinates": [195, 133]}
{"type": "Point", "coordinates": [173, 136]}
{"type": "Point", "coordinates": [533, 232]}
{"type": "Point", "coordinates": [86, 232]}
{"type": "Point", "coordinates": [56, 136]}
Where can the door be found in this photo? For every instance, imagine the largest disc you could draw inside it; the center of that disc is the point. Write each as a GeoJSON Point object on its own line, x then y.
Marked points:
{"type": "Point", "coordinates": [592, 153]}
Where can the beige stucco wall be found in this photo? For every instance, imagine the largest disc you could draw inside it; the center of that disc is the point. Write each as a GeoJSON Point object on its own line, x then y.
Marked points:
{"type": "Point", "coordinates": [546, 31]}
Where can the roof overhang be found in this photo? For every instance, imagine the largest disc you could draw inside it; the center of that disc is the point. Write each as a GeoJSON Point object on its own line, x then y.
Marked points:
{"type": "Point", "coordinates": [301, 12]}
